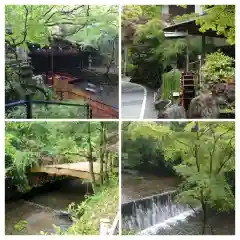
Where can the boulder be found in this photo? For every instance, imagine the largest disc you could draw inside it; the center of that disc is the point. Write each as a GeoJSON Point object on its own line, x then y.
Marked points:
{"type": "Point", "coordinates": [173, 112]}
{"type": "Point", "coordinates": [204, 106]}
{"type": "Point", "coordinates": [161, 104]}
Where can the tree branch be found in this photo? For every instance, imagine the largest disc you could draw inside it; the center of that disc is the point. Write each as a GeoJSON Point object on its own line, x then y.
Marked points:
{"type": "Point", "coordinates": [25, 27]}
{"type": "Point", "coordinates": [229, 157]}
{"type": "Point", "coordinates": [70, 23]}
{"type": "Point", "coordinates": [73, 10]}
{"type": "Point", "coordinates": [48, 11]}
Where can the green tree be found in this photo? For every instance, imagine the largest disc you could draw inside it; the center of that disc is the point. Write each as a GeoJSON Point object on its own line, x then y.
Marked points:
{"type": "Point", "coordinates": [83, 25]}
{"type": "Point", "coordinates": [219, 18]}
{"type": "Point", "coordinates": [207, 151]}
{"type": "Point", "coordinates": [148, 52]}
{"type": "Point", "coordinates": [33, 144]}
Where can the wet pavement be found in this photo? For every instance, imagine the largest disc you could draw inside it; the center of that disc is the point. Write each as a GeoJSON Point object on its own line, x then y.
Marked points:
{"type": "Point", "coordinates": [137, 101]}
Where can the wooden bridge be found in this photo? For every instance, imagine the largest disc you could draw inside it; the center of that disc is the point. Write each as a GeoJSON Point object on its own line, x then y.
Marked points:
{"type": "Point", "coordinates": [79, 170]}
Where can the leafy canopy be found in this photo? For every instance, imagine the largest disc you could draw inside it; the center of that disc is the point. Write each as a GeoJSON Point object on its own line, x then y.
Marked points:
{"type": "Point", "coordinates": [219, 18]}
{"type": "Point", "coordinates": [83, 24]}
{"type": "Point", "coordinates": [29, 144]}
{"type": "Point", "coordinates": [207, 151]}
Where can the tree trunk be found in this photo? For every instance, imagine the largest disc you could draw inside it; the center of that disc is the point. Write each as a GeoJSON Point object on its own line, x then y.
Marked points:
{"type": "Point", "coordinates": [111, 59]}
{"type": "Point", "coordinates": [90, 158]}
{"type": "Point", "coordinates": [106, 165]}
{"type": "Point", "coordinates": [204, 217]}
{"type": "Point", "coordinates": [102, 150]}
{"type": "Point", "coordinates": [111, 163]}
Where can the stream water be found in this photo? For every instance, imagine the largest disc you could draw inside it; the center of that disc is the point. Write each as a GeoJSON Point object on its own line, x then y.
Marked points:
{"type": "Point", "coordinates": [42, 211]}
{"type": "Point", "coordinates": [146, 212]}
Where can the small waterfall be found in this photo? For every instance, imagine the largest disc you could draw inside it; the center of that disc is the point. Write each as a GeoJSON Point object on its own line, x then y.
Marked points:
{"type": "Point", "coordinates": [149, 214]}
{"type": "Point", "coordinates": [153, 230]}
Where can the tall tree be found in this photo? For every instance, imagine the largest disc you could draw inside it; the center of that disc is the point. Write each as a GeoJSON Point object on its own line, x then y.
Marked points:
{"type": "Point", "coordinates": [207, 151]}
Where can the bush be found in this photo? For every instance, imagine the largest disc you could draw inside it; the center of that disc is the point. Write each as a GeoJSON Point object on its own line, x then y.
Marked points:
{"type": "Point", "coordinates": [130, 69]}
{"type": "Point", "coordinates": [218, 67]}
{"type": "Point", "coordinates": [104, 204]}
{"type": "Point", "coordinates": [145, 154]}
{"type": "Point", "coordinates": [50, 111]}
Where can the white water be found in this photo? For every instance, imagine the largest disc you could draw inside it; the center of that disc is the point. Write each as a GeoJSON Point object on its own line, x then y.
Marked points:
{"type": "Point", "coordinates": [157, 215]}
{"type": "Point", "coordinates": [153, 230]}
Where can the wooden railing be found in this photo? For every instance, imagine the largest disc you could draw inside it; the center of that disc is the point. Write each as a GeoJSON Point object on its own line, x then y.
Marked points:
{"type": "Point", "coordinates": [66, 90]}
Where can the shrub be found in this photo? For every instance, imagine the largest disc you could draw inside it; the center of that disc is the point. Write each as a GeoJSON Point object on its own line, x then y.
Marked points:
{"type": "Point", "coordinates": [218, 67]}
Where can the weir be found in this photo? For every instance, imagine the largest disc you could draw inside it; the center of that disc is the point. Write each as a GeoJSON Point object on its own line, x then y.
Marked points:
{"type": "Point", "coordinates": [147, 215]}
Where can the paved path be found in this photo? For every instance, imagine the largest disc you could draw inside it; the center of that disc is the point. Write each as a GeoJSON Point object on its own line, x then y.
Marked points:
{"type": "Point", "coordinates": [137, 101]}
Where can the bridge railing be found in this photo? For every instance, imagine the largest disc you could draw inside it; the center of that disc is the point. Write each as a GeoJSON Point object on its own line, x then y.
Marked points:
{"type": "Point", "coordinates": [28, 103]}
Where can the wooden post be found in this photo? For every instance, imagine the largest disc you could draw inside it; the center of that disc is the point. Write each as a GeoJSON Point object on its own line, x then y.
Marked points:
{"type": "Point", "coordinates": [104, 226]}
{"type": "Point", "coordinates": [28, 106]}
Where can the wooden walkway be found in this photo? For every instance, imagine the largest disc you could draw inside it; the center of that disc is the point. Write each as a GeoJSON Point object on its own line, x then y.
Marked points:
{"type": "Point", "coordinates": [79, 170]}
{"type": "Point", "coordinates": [68, 91]}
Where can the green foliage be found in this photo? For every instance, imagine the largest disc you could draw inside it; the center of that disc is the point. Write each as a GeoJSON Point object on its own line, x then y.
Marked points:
{"type": "Point", "coordinates": [101, 27]}
{"type": "Point", "coordinates": [185, 17]}
{"type": "Point", "coordinates": [170, 84]}
{"type": "Point", "coordinates": [207, 151]}
{"type": "Point", "coordinates": [83, 24]}
{"type": "Point", "coordinates": [27, 23]}
{"type": "Point", "coordinates": [144, 153]}
{"type": "Point", "coordinates": [20, 226]}
{"type": "Point", "coordinates": [151, 53]}
{"type": "Point", "coordinates": [130, 68]}
{"type": "Point", "coordinates": [131, 12]}
{"type": "Point", "coordinates": [28, 144]}
{"type": "Point", "coordinates": [219, 18]}
{"type": "Point", "coordinates": [51, 111]}
{"type": "Point", "coordinates": [218, 67]}
{"type": "Point", "coordinates": [104, 204]}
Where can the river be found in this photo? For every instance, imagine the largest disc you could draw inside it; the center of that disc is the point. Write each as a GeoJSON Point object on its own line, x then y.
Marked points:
{"type": "Point", "coordinates": [142, 185]}
{"type": "Point", "coordinates": [175, 219]}
{"type": "Point", "coordinates": [41, 211]}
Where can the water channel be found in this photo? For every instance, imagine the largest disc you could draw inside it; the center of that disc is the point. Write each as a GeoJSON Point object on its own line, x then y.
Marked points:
{"type": "Point", "coordinates": [148, 208]}
{"type": "Point", "coordinates": [42, 210]}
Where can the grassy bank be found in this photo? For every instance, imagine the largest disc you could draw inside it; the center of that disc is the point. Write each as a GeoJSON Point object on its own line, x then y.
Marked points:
{"type": "Point", "coordinates": [104, 204]}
